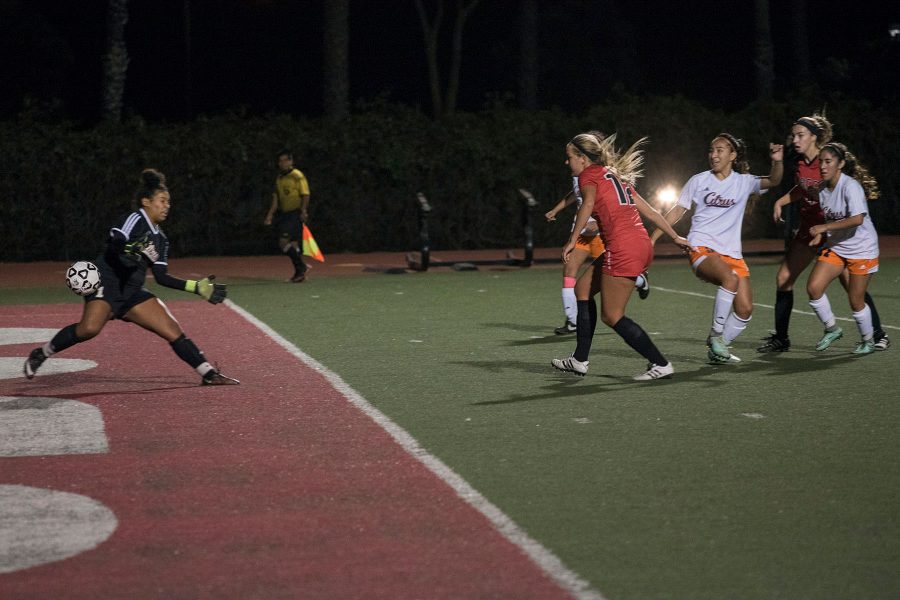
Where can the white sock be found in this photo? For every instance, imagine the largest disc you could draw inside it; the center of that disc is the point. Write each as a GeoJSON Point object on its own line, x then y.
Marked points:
{"type": "Point", "coordinates": [822, 307]}
{"type": "Point", "coordinates": [721, 309]}
{"type": "Point", "coordinates": [48, 349]}
{"type": "Point", "coordinates": [734, 325]}
{"type": "Point", "coordinates": [639, 282]}
{"type": "Point", "coordinates": [203, 368]}
{"type": "Point", "coordinates": [864, 322]}
{"type": "Point", "coordinates": [570, 305]}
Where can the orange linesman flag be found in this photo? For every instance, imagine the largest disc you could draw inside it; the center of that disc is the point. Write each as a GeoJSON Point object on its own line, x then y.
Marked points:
{"type": "Point", "coordinates": [310, 247]}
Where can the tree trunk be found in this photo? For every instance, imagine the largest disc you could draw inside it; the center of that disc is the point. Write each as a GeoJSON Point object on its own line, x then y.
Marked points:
{"type": "Point", "coordinates": [528, 55]}
{"type": "Point", "coordinates": [115, 61]}
{"type": "Point", "coordinates": [188, 58]}
{"type": "Point", "coordinates": [337, 78]}
{"type": "Point", "coordinates": [764, 52]}
{"type": "Point", "coordinates": [800, 39]}
{"type": "Point", "coordinates": [462, 13]}
{"type": "Point", "coordinates": [430, 30]}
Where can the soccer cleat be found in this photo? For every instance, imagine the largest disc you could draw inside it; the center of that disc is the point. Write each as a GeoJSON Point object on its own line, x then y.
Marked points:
{"type": "Point", "coordinates": [718, 347]}
{"type": "Point", "coordinates": [644, 290]}
{"type": "Point", "coordinates": [775, 344]}
{"type": "Point", "coordinates": [864, 347]}
{"type": "Point", "coordinates": [216, 378]}
{"type": "Point", "coordinates": [298, 277]}
{"type": "Point", "coordinates": [655, 372]}
{"type": "Point", "coordinates": [715, 359]}
{"type": "Point", "coordinates": [570, 365]}
{"type": "Point", "coordinates": [829, 338]}
{"type": "Point", "coordinates": [882, 343]}
{"type": "Point", "coordinates": [568, 327]}
{"type": "Point", "coordinates": [34, 362]}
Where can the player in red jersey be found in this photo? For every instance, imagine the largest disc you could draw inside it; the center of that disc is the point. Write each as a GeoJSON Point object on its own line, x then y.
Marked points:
{"type": "Point", "coordinates": [606, 179]}
{"type": "Point", "coordinates": [808, 136]}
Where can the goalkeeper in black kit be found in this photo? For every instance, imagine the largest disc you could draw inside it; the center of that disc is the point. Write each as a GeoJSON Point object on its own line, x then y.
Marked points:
{"type": "Point", "coordinates": [135, 244]}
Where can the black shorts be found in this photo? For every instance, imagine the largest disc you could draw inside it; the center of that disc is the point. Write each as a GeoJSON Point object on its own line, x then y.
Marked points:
{"type": "Point", "coordinates": [120, 298]}
{"type": "Point", "coordinates": [289, 226]}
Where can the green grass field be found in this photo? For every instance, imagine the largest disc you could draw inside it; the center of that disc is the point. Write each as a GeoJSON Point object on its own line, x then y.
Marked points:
{"type": "Point", "coordinates": [775, 478]}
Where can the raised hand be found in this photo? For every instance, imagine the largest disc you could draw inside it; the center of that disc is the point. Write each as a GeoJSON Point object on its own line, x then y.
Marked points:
{"type": "Point", "coordinates": [211, 292]}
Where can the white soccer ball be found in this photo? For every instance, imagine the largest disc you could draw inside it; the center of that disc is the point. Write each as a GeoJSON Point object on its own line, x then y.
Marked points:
{"type": "Point", "coordinates": [83, 278]}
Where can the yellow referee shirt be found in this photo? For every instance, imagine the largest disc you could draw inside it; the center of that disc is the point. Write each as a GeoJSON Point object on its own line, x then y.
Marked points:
{"type": "Point", "coordinates": [290, 188]}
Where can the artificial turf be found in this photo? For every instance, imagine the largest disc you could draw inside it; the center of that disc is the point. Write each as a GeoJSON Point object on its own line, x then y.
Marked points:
{"type": "Point", "coordinates": [774, 478]}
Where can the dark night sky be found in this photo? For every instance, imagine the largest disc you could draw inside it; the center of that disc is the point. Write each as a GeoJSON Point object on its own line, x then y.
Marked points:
{"type": "Point", "coordinates": [266, 56]}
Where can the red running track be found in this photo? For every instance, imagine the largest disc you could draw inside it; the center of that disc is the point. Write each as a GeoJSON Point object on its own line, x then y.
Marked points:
{"type": "Point", "coordinates": [277, 488]}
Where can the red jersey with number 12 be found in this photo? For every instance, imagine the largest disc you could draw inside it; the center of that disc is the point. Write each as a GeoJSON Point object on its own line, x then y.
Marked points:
{"type": "Point", "coordinates": [619, 221]}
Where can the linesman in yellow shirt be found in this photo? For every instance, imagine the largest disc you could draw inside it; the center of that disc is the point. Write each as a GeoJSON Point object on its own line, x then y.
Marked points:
{"type": "Point", "coordinates": [291, 201]}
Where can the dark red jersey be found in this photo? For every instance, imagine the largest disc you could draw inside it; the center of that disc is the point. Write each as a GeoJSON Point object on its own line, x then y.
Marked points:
{"type": "Point", "coordinates": [806, 193]}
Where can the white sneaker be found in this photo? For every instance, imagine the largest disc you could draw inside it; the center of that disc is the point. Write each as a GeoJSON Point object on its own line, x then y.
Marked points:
{"type": "Point", "coordinates": [655, 372]}
{"type": "Point", "coordinates": [570, 365]}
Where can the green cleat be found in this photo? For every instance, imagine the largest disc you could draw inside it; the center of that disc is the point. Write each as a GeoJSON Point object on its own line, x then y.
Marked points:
{"type": "Point", "coordinates": [828, 338]}
{"type": "Point", "coordinates": [864, 347]}
{"type": "Point", "coordinates": [719, 348]}
{"type": "Point", "coordinates": [718, 360]}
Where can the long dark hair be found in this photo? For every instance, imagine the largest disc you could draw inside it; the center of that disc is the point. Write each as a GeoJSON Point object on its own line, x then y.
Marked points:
{"type": "Point", "coordinates": [854, 168]}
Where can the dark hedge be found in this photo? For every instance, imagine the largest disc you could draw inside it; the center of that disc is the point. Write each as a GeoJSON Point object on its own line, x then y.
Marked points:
{"type": "Point", "coordinates": [61, 185]}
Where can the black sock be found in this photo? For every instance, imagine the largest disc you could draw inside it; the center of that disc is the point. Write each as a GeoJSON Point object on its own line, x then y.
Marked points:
{"type": "Point", "coordinates": [297, 259]}
{"type": "Point", "coordinates": [784, 304]}
{"type": "Point", "coordinates": [638, 339]}
{"type": "Point", "coordinates": [188, 351]}
{"type": "Point", "coordinates": [592, 310]}
{"type": "Point", "coordinates": [584, 333]}
{"type": "Point", "coordinates": [64, 338]}
{"type": "Point", "coordinates": [877, 331]}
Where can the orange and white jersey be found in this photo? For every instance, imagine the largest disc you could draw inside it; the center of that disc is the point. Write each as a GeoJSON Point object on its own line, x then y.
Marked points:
{"type": "Point", "coordinates": [719, 211]}
{"type": "Point", "coordinates": [848, 199]}
{"type": "Point", "coordinates": [590, 228]}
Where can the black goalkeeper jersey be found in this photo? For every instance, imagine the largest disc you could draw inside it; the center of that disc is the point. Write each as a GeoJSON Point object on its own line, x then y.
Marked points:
{"type": "Point", "coordinates": [129, 269]}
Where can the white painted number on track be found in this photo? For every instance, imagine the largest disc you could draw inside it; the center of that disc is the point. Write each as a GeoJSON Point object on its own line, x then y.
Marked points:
{"type": "Point", "coordinates": [39, 526]}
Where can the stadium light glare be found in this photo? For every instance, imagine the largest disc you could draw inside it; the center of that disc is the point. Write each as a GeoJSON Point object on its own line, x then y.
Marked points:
{"type": "Point", "coordinates": [666, 196]}
{"type": "Point", "coordinates": [894, 31]}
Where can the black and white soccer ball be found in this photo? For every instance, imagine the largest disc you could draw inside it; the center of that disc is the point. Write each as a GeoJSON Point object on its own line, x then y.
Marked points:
{"type": "Point", "coordinates": [83, 278]}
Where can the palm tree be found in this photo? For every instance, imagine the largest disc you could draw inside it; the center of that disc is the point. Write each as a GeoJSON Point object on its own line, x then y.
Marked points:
{"type": "Point", "coordinates": [764, 52]}
{"type": "Point", "coordinates": [337, 78]}
{"type": "Point", "coordinates": [800, 39]}
{"type": "Point", "coordinates": [528, 58]}
{"type": "Point", "coordinates": [188, 60]}
{"type": "Point", "coordinates": [115, 61]}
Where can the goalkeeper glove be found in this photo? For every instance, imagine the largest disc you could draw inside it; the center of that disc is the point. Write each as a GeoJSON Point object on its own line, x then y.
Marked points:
{"type": "Point", "coordinates": [131, 255]}
{"type": "Point", "coordinates": [209, 291]}
{"type": "Point", "coordinates": [142, 247]}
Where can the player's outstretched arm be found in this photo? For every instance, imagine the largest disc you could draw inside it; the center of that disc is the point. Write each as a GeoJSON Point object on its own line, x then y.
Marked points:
{"type": "Point", "coordinates": [776, 152]}
{"type": "Point", "coordinates": [779, 205]}
{"type": "Point", "coordinates": [210, 291]}
{"type": "Point", "coordinates": [671, 217]}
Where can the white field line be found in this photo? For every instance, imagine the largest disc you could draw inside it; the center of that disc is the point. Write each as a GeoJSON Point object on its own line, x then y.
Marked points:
{"type": "Point", "coordinates": [544, 558]}
{"type": "Point", "coordinates": [799, 312]}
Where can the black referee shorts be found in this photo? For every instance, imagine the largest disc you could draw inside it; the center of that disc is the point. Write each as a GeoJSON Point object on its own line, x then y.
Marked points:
{"type": "Point", "coordinates": [289, 226]}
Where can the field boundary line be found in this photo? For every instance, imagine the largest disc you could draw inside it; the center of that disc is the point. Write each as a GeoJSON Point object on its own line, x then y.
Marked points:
{"type": "Point", "coordinates": [799, 312]}
{"type": "Point", "coordinates": [548, 562]}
